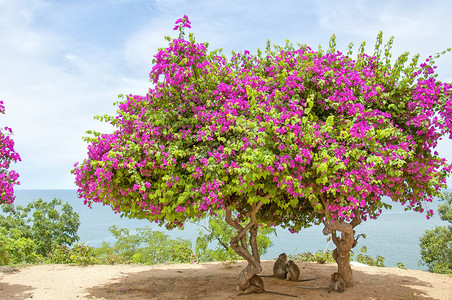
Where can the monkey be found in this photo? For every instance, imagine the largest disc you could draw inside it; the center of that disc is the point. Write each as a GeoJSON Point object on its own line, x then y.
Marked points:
{"type": "Point", "coordinates": [257, 286]}
{"type": "Point", "coordinates": [337, 283]}
{"type": "Point", "coordinates": [279, 268]}
{"type": "Point", "coordinates": [292, 271]}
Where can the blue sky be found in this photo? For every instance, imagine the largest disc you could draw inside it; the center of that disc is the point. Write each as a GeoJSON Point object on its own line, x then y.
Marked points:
{"type": "Point", "coordinates": [62, 62]}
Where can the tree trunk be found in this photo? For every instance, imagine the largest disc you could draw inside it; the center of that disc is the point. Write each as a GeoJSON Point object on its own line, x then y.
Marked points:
{"type": "Point", "coordinates": [343, 244]}
{"type": "Point", "coordinates": [342, 257]}
{"type": "Point", "coordinates": [239, 245]}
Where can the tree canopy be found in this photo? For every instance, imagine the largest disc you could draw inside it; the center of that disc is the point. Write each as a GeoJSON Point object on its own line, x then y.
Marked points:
{"type": "Point", "coordinates": [311, 130]}
{"type": "Point", "coordinates": [8, 178]}
{"type": "Point", "coordinates": [287, 136]}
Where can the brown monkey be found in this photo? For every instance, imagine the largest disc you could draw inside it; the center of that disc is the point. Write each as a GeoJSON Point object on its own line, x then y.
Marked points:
{"type": "Point", "coordinates": [337, 283]}
{"type": "Point", "coordinates": [279, 268]}
{"type": "Point", "coordinates": [292, 271]}
{"type": "Point", "coordinates": [257, 286]}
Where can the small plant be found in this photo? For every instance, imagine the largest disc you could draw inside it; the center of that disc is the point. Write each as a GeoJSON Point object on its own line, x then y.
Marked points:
{"type": "Point", "coordinates": [215, 232]}
{"type": "Point", "coordinates": [321, 256]}
{"type": "Point", "coordinates": [228, 264]}
{"type": "Point", "coordinates": [181, 253]}
{"type": "Point", "coordinates": [15, 249]}
{"type": "Point", "coordinates": [363, 258]}
{"type": "Point", "coordinates": [59, 254]}
{"type": "Point", "coordinates": [326, 256]}
{"type": "Point", "coordinates": [144, 247]}
{"type": "Point", "coordinates": [401, 265]}
{"type": "Point", "coordinates": [82, 254]}
{"type": "Point", "coordinates": [436, 244]}
{"type": "Point", "coordinates": [113, 259]}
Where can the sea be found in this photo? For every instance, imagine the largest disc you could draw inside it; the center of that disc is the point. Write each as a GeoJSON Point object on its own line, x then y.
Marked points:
{"type": "Point", "coordinates": [394, 235]}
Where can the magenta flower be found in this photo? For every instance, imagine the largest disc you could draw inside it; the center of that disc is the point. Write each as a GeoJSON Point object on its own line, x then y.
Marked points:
{"type": "Point", "coordinates": [182, 23]}
{"type": "Point", "coordinates": [8, 178]}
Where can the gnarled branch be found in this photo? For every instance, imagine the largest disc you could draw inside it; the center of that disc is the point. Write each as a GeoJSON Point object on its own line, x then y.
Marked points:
{"type": "Point", "coordinates": [341, 225]}
{"type": "Point", "coordinates": [242, 248]}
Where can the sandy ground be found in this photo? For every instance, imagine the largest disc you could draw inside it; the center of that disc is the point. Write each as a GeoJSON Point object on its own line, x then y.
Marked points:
{"type": "Point", "coordinates": [211, 281]}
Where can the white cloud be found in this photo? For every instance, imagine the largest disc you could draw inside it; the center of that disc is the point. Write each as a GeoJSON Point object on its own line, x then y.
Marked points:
{"type": "Point", "coordinates": [52, 89]}
{"type": "Point", "coordinates": [417, 25]}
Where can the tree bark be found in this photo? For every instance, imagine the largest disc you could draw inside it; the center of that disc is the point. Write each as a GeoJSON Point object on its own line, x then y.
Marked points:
{"type": "Point", "coordinates": [343, 247]}
{"type": "Point", "coordinates": [239, 245]}
{"type": "Point", "coordinates": [343, 244]}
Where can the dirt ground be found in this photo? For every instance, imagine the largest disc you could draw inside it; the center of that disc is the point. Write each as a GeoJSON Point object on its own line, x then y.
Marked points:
{"type": "Point", "coordinates": [211, 281]}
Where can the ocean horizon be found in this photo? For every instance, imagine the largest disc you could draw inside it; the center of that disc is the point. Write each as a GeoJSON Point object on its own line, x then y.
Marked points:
{"type": "Point", "coordinates": [394, 235]}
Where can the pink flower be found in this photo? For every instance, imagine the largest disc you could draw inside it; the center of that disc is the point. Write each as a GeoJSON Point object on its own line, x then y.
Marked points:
{"type": "Point", "coordinates": [183, 22]}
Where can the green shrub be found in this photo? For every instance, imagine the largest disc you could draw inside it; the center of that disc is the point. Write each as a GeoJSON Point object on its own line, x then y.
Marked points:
{"type": "Point", "coordinates": [59, 254]}
{"type": "Point", "coordinates": [324, 256]}
{"type": "Point", "coordinates": [109, 255]}
{"type": "Point", "coordinates": [45, 223]}
{"type": "Point", "coordinates": [113, 259]}
{"type": "Point", "coordinates": [321, 256]}
{"type": "Point", "coordinates": [217, 232]}
{"type": "Point", "coordinates": [16, 249]}
{"type": "Point", "coordinates": [401, 265]}
{"type": "Point", "coordinates": [144, 247]}
{"type": "Point", "coordinates": [436, 244]}
{"type": "Point", "coordinates": [80, 254]}
{"type": "Point", "coordinates": [363, 258]}
{"type": "Point", "coordinates": [149, 247]}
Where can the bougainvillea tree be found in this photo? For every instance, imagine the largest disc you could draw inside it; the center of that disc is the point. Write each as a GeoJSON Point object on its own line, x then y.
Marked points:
{"type": "Point", "coordinates": [8, 178]}
{"type": "Point", "coordinates": [287, 136]}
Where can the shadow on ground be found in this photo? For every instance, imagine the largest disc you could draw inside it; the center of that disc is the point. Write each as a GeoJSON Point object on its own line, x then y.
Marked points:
{"type": "Point", "coordinates": [15, 291]}
{"type": "Point", "coordinates": [217, 281]}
